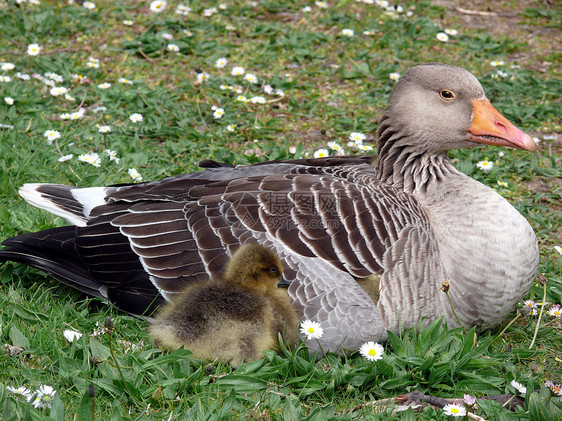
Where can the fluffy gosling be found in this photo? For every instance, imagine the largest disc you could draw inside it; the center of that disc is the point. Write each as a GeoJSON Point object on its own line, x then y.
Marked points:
{"type": "Point", "coordinates": [234, 317]}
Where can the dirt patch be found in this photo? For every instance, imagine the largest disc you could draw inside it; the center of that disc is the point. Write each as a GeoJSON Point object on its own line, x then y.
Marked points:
{"type": "Point", "coordinates": [542, 36]}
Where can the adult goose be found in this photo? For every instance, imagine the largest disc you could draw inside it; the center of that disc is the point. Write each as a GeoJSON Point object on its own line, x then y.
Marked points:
{"type": "Point", "coordinates": [366, 246]}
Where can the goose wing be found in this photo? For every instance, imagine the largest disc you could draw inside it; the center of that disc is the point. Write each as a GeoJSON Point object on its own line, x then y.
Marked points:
{"type": "Point", "coordinates": [327, 230]}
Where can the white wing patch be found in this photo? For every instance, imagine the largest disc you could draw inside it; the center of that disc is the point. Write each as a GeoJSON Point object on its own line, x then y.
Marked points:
{"type": "Point", "coordinates": [90, 197]}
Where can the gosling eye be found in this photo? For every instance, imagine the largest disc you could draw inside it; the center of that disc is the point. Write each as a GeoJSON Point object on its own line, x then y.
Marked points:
{"type": "Point", "coordinates": [274, 270]}
{"type": "Point", "coordinates": [446, 94]}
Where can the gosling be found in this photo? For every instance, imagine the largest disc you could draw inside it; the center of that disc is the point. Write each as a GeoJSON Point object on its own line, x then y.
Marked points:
{"type": "Point", "coordinates": [234, 317]}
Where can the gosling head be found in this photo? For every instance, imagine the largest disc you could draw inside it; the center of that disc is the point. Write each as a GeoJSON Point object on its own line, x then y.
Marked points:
{"type": "Point", "coordinates": [255, 267]}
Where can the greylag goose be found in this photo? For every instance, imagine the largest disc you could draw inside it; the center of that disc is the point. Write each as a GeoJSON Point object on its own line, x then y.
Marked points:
{"type": "Point", "coordinates": [366, 246]}
{"type": "Point", "coordinates": [234, 317]}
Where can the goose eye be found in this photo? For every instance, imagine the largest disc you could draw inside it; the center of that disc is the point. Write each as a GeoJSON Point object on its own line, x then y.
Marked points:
{"type": "Point", "coordinates": [446, 94]}
{"type": "Point", "coordinates": [274, 270]}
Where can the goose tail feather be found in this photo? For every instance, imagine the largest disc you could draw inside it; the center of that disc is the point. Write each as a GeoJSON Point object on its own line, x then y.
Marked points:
{"type": "Point", "coordinates": [52, 251]}
{"type": "Point", "coordinates": [71, 203]}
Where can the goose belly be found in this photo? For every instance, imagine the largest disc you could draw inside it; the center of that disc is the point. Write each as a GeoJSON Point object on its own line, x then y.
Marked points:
{"type": "Point", "coordinates": [487, 250]}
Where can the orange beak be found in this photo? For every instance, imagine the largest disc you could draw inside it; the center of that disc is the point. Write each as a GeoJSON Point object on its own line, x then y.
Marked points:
{"type": "Point", "coordinates": [492, 128]}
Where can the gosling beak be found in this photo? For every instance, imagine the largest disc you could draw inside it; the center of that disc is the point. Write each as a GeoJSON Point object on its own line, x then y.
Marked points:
{"type": "Point", "coordinates": [492, 128]}
{"type": "Point", "coordinates": [283, 283]}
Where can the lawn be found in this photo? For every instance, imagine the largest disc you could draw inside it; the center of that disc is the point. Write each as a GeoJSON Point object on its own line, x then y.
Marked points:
{"type": "Point", "coordinates": [120, 92]}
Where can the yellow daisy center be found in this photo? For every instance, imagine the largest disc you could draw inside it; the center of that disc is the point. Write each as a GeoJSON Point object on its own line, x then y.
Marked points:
{"type": "Point", "coordinates": [372, 352]}
{"type": "Point", "coordinates": [455, 410]}
{"type": "Point", "coordinates": [310, 330]}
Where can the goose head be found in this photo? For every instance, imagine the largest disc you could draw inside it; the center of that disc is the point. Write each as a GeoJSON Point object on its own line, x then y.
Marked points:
{"type": "Point", "coordinates": [256, 268]}
{"type": "Point", "coordinates": [443, 107]}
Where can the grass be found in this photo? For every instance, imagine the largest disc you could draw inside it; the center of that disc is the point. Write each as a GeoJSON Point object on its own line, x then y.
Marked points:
{"type": "Point", "coordinates": [333, 85]}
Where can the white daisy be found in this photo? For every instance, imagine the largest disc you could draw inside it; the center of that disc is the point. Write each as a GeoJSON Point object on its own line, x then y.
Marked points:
{"type": "Point", "coordinates": [363, 147]}
{"type": "Point", "coordinates": [69, 97]}
{"type": "Point", "coordinates": [372, 351]}
{"type": "Point", "coordinates": [51, 135]}
{"type": "Point", "coordinates": [356, 137]}
{"type": "Point", "coordinates": [394, 76]}
{"type": "Point", "coordinates": [33, 49]}
{"type": "Point", "coordinates": [347, 32]}
{"type": "Point", "coordinates": [258, 100]}
{"type": "Point", "coordinates": [64, 116]}
{"type": "Point", "coordinates": [292, 150]}
{"type": "Point", "coordinates": [209, 12]}
{"type": "Point", "coordinates": [221, 62]}
{"type": "Point", "coordinates": [71, 335]}
{"type": "Point", "coordinates": [530, 304]}
{"type": "Point", "coordinates": [231, 127]}
{"type": "Point", "coordinates": [237, 71]}
{"type": "Point", "coordinates": [136, 117]}
{"type": "Point", "coordinates": [128, 22]}
{"type": "Point", "coordinates": [8, 100]}
{"type": "Point", "coordinates": [7, 66]}
{"type": "Point", "coordinates": [167, 36]}
{"type": "Point", "coordinates": [321, 153]}
{"type": "Point", "coordinates": [519, 387]}
{"type": "Point", "coordinates": [554, 311]}
{"type": "Point", "coordinates": [454, 410]}
{"type": "Point", "coordinates": [251, 78]}
{"type": "Point", "coordinates": [105, 85]}
{"type": "Point", "coordinates": [442, 36]}
{"type": "Point", "coordinates": [65, 158]}
{"type": "Point", "coordinates": [219, 112]}
{"type": "Point", "coordinates": [104, 129]}
{"type": "Point", "coordinates": [135, 174]}
{"type": "Point", "coordinates": [91, 158]}
{"type": "Point", "coordinates": [321, 4]}
{"type": "Point", "coordinates": [93, 63]}
{"type": "Point", "coordinates": [496, 63]}
{"type": "Point", "coordinates": [202, 77]}
{"type": "Point", "coordinates": [23, 76]}
{"type": "Point", "coordinates": [58, 90]}
{"type": "Point", "coordinates": [311, 329]}
{"type": "Point", "coordinates": [23, 391]}
{"type": "Point", "coordinates": [77, 114]}
{"type": "Point", "coordinates": [44, 397]}
{"type": "Point", "coordinates": [55, 77]}
{"type": "Point", "coordinates": [173, 48]}
{"type": "Point", "coordinates": [241, 98]}
{"type": "Point", "coordinates": [485, 165]}
{"type": "Point", "coordinates": [334, 146]}
{"type": "Point", "coordinates": [112, 155]}
{"type": "Point", "coordinates": [183, 10]}
{"type": "Point", "coordinates": [558, 249]}
{"type": "Point", "coordinates": [5, 79]}
{"type": "Point", "coordinates": [89, 5]}
{"type": "Point", "coordinates": [502, 184]}
{"type": "Point", "coordinates": [158, 6]}
{"type": "Point", "coordinates": [124, 80]}
{"type": "Point", "coordinates": [451, 32]}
